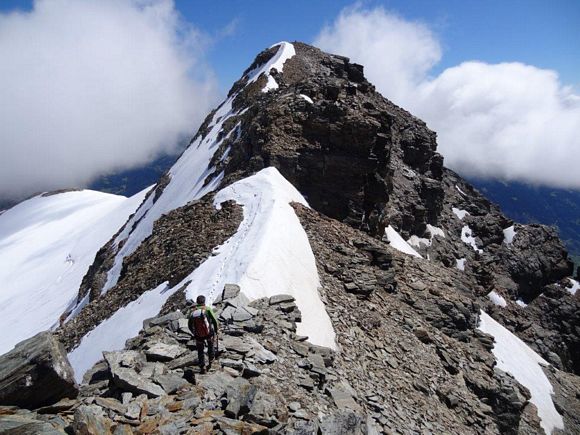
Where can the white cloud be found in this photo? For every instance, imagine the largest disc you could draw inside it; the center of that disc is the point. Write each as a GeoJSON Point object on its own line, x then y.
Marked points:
{"type": "Point", "coordinates": [509, 120]}
{"type": "Point", "coordinates": [88, 87]}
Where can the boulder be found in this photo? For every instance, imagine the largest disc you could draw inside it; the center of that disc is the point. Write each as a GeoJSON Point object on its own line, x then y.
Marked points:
{"type": "Point", "coordinates": [163, 351]}
{"type": "Point", "coordinates": [36, 373]}
{"type": "Point", "coordinates": [89, 420]}
{"type": "Point", "coordinates": [126, 377]}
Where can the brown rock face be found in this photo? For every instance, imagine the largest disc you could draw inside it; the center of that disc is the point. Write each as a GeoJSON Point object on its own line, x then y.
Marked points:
{"type": "Point", "coordinates": [36, 373]}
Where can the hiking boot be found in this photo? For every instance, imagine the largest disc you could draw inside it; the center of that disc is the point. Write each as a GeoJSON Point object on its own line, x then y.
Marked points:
{"type": "Point", "coordinates": [202, 371]}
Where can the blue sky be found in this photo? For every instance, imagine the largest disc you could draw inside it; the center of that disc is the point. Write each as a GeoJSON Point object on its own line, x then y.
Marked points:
{"type": "Point", "coordinates": [539, 32]}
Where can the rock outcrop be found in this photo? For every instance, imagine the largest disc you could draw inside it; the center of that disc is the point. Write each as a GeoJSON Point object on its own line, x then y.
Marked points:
{"type": "Point", "coordinates": [36, 373]}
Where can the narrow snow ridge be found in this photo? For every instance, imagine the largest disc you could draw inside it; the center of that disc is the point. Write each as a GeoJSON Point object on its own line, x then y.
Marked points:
{"type": "Point", "coordinates": [397, 242]}
{"type": "Point", "coordinates": [515, 357]}
{"type": "Point", "coordinates": [47, 244]}
{"type": "Point", "coordinates": [269, 254]}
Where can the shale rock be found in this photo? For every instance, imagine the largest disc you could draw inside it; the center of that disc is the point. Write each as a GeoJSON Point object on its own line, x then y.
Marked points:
{"type": "Point", "coordinates": [36, 373]}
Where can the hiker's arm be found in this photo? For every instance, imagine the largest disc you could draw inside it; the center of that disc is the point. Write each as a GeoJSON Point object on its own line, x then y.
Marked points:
{"type": "Point", "coordinates": [212, 318]}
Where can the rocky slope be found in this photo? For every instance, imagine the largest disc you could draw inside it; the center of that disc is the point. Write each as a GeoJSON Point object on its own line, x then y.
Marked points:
{"type": "Point", "coordinates": [410, 355]}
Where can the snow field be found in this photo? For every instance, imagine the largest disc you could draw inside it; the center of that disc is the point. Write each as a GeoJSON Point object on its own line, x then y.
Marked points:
{"type": "Point", "coordinates": [46, 247]}
{"type": "Point", "coordinates": [515, 357]}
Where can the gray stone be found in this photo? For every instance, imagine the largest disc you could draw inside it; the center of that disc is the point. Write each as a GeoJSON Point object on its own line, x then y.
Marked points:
{"type": "Point", "coordinates": [278, 299]}
{"type": "Point", "coordinates": [89, 420]}
{"type": "Point", "coordinates": [215, 384]}
{"type": "Point", "coordinates": [126, 398]}
{"type": "Point", "coordinates": [152, 369]}
{"type": "Point", "coordinates": [343, 423]}
{"type": "Point", "coordinates": [112, 404]}
{"type": "Point", "coordinates": [259, 353]}
{"type": "Point", "coordinates": [294, 406]}
{"type": "Point", "coordinates": [127, 379]}
{"type": "Point", "coordinates": [26, 424]}
{"type": "Point", "coordinates": [163, 351]}
{"type": "Point", "coordinates": [234, 344]}
{"type": "Point", "coordinates": [300, 348]}
{"type": "Point", "coordinates": [240, 394]}
{"type": "Point", "coordinates": [187, 360]}
{"type": "Point", "coordinates": [171, 382]}
{"type": "Point", "coordinates": [133, 411]}
{"type": "Point", "coordinates": [36, 373]}
{"type": "Point", "coordinates": [342, 395]}
{"type": "Point", "coordinates": [263, 409]}
{"type": "Point", "coordinates": [162, 320]}
{"type": "Point", "coordinates": [241, 315]}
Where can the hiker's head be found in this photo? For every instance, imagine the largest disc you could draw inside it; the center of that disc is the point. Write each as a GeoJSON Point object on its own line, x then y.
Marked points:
{"type": "Point", "coordinates": [200, 300]}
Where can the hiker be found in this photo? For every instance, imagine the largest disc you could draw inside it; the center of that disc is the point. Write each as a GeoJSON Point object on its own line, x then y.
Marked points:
{"type": "Point", "coordinates": [203, 325]}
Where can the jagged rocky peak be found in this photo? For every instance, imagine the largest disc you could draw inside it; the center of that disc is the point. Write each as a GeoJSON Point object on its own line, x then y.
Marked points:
{"type": "Point", "coordinates": [335, 138]}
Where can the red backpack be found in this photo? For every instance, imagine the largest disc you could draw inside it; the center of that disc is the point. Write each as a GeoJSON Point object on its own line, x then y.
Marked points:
{"type": "Point", "coordinates": [199, 324]}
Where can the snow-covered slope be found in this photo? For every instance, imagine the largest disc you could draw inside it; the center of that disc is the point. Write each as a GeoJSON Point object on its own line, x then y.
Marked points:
{"type": "Point", "coordinates": [269, 254]}
{"type": "Point", "coordinates": [515, 357]}
{"type": "Point", "coordinates": [47, 244]}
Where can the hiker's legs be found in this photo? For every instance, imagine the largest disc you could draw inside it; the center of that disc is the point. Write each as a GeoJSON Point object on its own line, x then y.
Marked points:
{"type": "Point", "coordinates": [200, 357]}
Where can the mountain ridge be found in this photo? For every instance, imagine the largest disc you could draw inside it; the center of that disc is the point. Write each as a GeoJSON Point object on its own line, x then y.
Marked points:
{"type": "Point", "coordinates": [310, 123]}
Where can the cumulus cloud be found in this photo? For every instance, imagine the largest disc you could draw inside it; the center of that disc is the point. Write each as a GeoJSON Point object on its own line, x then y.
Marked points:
{"type": "Point", "coordinates": [89, 87]}
{"type": "Point", "coordinates": [510, 121]}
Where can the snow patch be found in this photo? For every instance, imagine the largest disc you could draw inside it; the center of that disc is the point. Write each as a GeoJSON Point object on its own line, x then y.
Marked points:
{"type": "Point", "coordinates": [112, 333]}
{"type": "Point", "coordinates": [460, 263]}
{"type": "Point", "coordinates": [418, 241]}
{"type": "Point", "coordinates": [467, 237]}
{"type": "Point", "coordinates": [459, 213]}
{"type": "Point", "coordinates": [460, 191]}
{"type": "Point", "coordinates": [515, 357]}
{"type": "Point", "coordinates": [509, 234]}
{"type": "Point", "coordinates": [435, 231]}
{"type": "Point", "coordinates": [521, 303]}
{"type": "Point", "coordinates": [497, 299]}
{"type": "Point", "coordinates": [307, 98]}
{"type": "Point", "coordinates": [47, 244]}
{"type": "Point", "coordinates": [575, 285]}
{"type": "Point", "coordinates": [399, 243]}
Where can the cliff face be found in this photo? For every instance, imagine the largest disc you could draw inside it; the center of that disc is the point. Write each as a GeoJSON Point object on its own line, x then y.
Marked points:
{"type": "Point", "coordinates": [376, 186]}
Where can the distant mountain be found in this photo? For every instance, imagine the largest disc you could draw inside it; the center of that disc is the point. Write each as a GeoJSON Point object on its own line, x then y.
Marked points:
{"type": "Point", "coordinates": [131, 181]}
{"type": "Point", "coordinates": [531, 204]}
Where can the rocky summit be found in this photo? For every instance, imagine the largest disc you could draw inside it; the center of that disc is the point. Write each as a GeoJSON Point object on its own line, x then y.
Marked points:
{"type": "Point", "coordinates": [360, 286]}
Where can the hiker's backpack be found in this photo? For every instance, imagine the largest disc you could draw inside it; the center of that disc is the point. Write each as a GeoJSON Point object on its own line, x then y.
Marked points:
{"type": "Point", "coordinates": [199, 324]}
